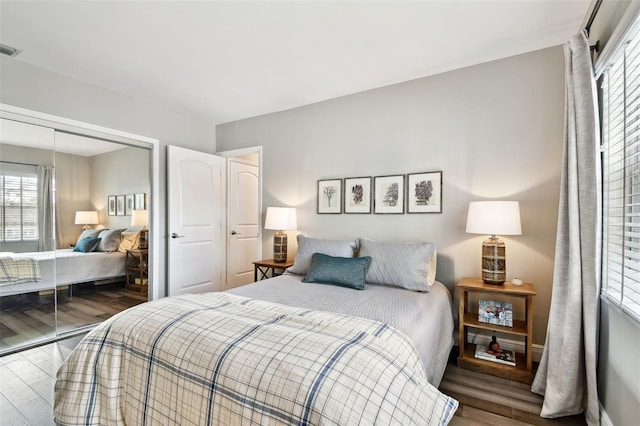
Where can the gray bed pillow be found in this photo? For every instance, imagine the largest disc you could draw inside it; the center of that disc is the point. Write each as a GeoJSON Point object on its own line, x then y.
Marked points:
{"type": "Point", "coordinates": [405, 265]}
{"type": "Point", "coordinates": [109, 240]}
{"type": "Point", "coordinates": [88, 233]}
{"type": "Point", "coordinates": [308, 246]}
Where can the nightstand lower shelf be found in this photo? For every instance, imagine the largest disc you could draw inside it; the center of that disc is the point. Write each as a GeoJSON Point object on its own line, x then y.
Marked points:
{"type": "Point", "coordinates": [518, 372]}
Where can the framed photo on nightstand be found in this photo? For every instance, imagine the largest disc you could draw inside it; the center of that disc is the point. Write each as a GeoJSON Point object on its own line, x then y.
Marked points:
{"type": "Point", "coordinates": [493, 312]}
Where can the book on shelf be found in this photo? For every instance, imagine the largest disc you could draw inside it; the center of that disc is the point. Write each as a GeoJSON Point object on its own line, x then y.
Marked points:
{"type": "Point", "coordinates": [494, 312]}
{"type": "Point", "coordinates": [506, 357]}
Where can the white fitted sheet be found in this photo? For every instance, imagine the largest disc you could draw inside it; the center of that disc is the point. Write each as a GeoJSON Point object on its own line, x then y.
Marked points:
{"type": "Point", "coordinates": [65, 266]}
{"type": "Point", "coordinates": [426, 318]}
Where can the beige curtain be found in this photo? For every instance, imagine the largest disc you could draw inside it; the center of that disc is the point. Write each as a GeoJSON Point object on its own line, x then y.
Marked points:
{"type": "Point", "coordinates": [567, 372]}
{"type": "Point", "coordinates": [45, 209]}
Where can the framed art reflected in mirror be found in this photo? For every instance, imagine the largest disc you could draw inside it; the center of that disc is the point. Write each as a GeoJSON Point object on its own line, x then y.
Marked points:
{"type": "Point", "coordinates": [111, 205]}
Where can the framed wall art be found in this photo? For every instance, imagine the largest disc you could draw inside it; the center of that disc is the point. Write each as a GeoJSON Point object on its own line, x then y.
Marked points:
{"type": "Point", "coordinates": [329, 196]}
{"type": "Point", "coordinates": [111, 205]}
{"type": "Point", "coordinates": [424, 192]}
{"type": "Point", "coordinates": [357, 195]}
{"type": "Point", "coordinates": [120, 205]}
{"type": "Point", "coordinates": [140, 201]}
{"type": "Point", "coordinates": [128, 204]}
{"type": "Point", "coordinates": [388, 194]}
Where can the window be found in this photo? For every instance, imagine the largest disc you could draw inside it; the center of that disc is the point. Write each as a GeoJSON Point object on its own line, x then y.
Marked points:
{"type": "Point", "coordinates": [18, 202]}
{"type": "Point", "coordinates": [621, 178]}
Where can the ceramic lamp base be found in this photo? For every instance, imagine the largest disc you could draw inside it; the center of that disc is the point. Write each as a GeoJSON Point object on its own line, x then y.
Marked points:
{"type": "Point", "coordinates": [494, 262]}
{"type": "Point", "coordinates": [144, 238]}
{"type": "Point", "coordinates": [280, 246]}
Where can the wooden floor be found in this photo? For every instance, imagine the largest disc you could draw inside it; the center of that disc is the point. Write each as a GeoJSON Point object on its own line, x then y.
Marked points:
{"type": "Point", "coordinates": [26, 319]}
{"type": "Point", "coordinates": [489, 400]}
{"type": "Point", "coordinates": [26, 383]}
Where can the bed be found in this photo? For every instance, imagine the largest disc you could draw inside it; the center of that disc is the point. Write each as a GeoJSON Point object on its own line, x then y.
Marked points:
{"type": "Point", "coordinates": [296, 349]}
{"type": "Point", "coordinates": [65, 267]}
{"type": "Point", "coordinates": [404, 310]}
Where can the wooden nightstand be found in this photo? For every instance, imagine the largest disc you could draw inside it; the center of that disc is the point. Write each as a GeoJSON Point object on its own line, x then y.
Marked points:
{"type": "Point", "coordinates": [137, 261]}
{"type": "Point", "coordinates": [264, 266]}
{"type": "Point", "coordinates": [468, 319]}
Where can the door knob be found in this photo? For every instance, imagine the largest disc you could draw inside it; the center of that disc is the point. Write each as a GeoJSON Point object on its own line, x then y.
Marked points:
{"type": "Point", "coordinates": [174, 235]}
{"type": "Point", "coordinates": [235, 233]}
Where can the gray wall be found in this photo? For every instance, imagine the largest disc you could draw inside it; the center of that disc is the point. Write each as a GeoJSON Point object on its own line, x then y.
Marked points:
{"type": "Point", "coordinates": [73, 191]}
{"type": "Point", "coordinates": [495, 130]}
{"type": "Point", "coordinates": [121, 172]}
{"type": "Point", "coordinates": [34, 88]}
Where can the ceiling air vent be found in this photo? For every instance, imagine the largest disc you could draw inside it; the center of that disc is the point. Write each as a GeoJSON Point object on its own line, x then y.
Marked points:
{"type": "Point", "coordinates": [8, 50]}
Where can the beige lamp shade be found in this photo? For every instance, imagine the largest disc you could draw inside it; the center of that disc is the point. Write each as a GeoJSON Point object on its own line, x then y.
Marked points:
{"type": "Point", "coordinates": [494, 217]}
{"type": "Point", "coordinates": [140, 218]}
{"type": "Point", "coordinates": [280, 219]}
{"type": "Point", "coordinates": [86, 218]}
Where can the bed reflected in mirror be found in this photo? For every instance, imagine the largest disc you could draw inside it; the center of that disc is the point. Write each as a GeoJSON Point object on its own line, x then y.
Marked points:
{"type": "Point", "coordinates": [67, 275]}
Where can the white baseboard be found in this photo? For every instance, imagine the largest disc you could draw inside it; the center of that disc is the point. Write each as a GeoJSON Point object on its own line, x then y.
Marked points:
{"type": "Point", "coordinates": [604, 418]}
{"type": "Point", "coordinates": [508, 344]}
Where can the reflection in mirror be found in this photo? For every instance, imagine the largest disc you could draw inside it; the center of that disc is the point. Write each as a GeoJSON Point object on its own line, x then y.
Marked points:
{"type": "Point", "coordinates": [90, 172]}
{"type": "Point", "coordinates": [27, 275]}
{"type": "Point", "coordinates": [54, 184]}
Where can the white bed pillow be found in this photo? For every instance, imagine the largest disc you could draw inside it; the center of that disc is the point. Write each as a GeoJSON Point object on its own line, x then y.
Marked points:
{"type": "Point", "coordinates": [109, 240]}
{"type": "Point", "coordinates": [308, 246]}
{"type": "Point", "coordinates": [88, 233]}
{"type": "Point", "coordinates": [406, 265]}
{"type": "Point", "coordinates": [129, 241]}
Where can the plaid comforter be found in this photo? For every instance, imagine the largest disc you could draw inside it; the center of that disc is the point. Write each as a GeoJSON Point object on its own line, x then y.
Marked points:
{"type": "Point", "coordinates": [221, 359]}
{"type": "Point", "coordinates": [14, 270]}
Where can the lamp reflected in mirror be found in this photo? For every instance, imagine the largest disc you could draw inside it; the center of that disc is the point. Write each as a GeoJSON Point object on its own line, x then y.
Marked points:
{"type": "Point", "coordinates": [141, 218]}
{"type": "Point", "coordinates": [86, 218]}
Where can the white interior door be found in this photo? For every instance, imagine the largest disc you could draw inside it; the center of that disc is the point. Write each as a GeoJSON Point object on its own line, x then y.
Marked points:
{"type": "Point", "coordinates": [243, 221]}
{"type": "Point", "coordinates": [195, 221]}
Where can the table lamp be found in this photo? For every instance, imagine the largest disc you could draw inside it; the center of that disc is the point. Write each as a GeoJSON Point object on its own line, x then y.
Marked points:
{"type": "Point", "coordinates": [280, 219]}
{"type": "Point", "coordinates": [141, 218]}
{"type": "Point", "coordinates": [86, 218]}
{"type": "Point", "coordinates": [494, 217]}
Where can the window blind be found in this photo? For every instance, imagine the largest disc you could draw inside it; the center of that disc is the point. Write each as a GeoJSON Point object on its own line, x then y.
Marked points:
{"type": "Point", "coordinates": [18, 203]}
{"type": "Point", "coordinates": [621, 178]}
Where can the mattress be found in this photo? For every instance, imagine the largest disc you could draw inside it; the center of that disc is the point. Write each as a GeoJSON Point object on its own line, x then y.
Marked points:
{"type": "Point", "coordinates": [65, 266]}
{"type": "Point", "coordinates": [426, 318]}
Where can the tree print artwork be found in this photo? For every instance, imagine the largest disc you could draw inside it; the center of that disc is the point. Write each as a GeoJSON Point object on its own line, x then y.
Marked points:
{"type": "Point", "coordinates": [391, 195]}
{"type": "Point", "coordinates": [357, 194]}
{"type": "Point", "coordinates": [424, 191]}
{"type": "Point", "coordinates": [330, 196]}
{"type": "Point", "coordinates": [329, 192]}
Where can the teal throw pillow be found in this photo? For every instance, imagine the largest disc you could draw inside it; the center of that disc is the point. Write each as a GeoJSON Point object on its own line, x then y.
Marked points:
{"type": "Point", "coordinates": [87, 245]}
{"type": "Point", "coordinates": [341, 271]}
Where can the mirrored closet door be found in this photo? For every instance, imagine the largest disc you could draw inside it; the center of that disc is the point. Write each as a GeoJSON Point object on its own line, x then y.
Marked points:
{"type": "Point", "coordinates": [71, 231]}
{"type": "Point", "coordinates": [27, 283]}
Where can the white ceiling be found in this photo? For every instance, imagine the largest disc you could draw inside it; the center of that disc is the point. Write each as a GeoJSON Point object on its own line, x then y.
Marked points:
{"type": "Point", "coordinates": [223, 61]}
{"type": "Point", "coordinates": [31, 136]}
